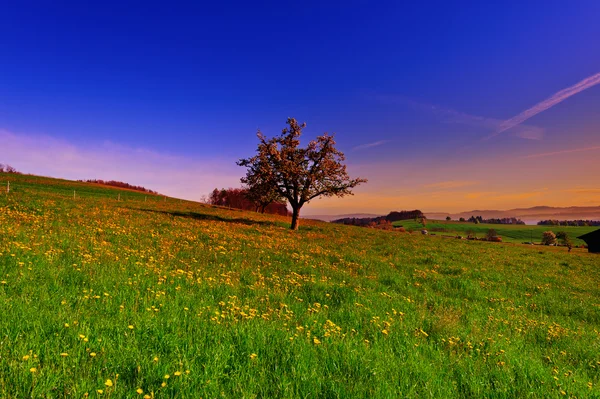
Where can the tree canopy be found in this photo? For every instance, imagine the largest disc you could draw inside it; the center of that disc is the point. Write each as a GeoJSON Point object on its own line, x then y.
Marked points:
{"type": "Point", "coordinates": [283, 169]}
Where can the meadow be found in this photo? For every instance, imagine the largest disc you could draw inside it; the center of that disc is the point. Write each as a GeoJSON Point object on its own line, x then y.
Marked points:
{"type": "Point", "coordinates": [515, 233]}
{"type": "Point", "coordinates": [154, 297]}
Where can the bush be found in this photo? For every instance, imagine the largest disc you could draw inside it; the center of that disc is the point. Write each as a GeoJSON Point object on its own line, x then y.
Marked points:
{"type": "Point", "coordinates": [548, 238]}
{"type": "Point", "coordinates": [490, 233]}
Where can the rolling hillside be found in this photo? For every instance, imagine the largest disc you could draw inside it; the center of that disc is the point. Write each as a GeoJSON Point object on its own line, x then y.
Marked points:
{"type": "Point", "coordinates": [156, 297]}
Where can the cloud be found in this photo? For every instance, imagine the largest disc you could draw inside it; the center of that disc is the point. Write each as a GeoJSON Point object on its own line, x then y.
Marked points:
{"type": "Point", "coordinates": [547, 154]}
{"type": "Point", "coordinates": [583, 191]}
{"type": "Point", "coordinates": [548, 103]}
{"type": "Point", "coordinates": [370, 145]}
{"type": "Point", "coordinates": [173, 175]}
{"type": "Point", "coordinates": [450, 184]}
{"type": "Point", "coordinates": [450, 115]}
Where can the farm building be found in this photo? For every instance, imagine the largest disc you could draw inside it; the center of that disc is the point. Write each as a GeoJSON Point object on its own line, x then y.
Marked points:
{"type": "Point", "coordinates": [592, 240]}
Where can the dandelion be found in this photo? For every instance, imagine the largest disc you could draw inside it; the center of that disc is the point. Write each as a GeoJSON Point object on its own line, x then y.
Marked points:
{"type": "Point", "coordinates": [66, 325]}
{"type": "Point", "coordinates": [64, 354]}
{"type": "Point", "coordinates": [155, 360]}
{"type": "Point", "coordinates": [26, 357]}
{"type": "Point", "coordinates": [253, 356]}
{"type": "Point", "coordinates": [164, 384]}
{"type": "Point", "coordinates": [140, 391]}
{"type": "Point", "coordinates": [33, 370]}
{"type": "Point", "coordinates": [177, 373]}
{"type": "Point", "coordinates": [147, 397]}
{"type": "Point", "coordinates": [167, 376]}
{"type": "Point", "coordinates": [100, 391]}
{"type": "Point", "coordinates": [93, 354]}
{"type": "Point", "coordinates": [316, 341]}
{"type": "Point", "coordinates": [108, 383]}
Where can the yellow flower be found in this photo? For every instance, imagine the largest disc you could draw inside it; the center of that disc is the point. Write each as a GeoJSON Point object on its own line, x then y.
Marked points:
{"type": "Point", "coordinates": [147, 397]}
{"type": "Point", "coordinates": [33, 370]}
{"type": "Point", "coordinates": [155, 359]}
{"type": "Point", "coordinates": [64, 354]}
{"type": "Point", "coordinates": [130, 327]}
{"type": "Point", "coordinates": [66, 325]}
{"type": "Point", "coordinates": [177, 373]}
{"type": "Point", "coordinates": [167, 376]}
{"type": "Point", "coordinates": [108, 383]}
{"type": "Point", "coordinates": [385, 332]}
{"type": "Point", "coordinates": [140, 391]}
{"type": "Point", "coordinates": [93, 354]}
{"type": "Point", "coordinates": [253, 356]}
{"type": "Point", "coordinates": [100, 391]}
{"type": "Point", "coordinates": [316, 341]}
{"type": "Point", "coordinates": [164, 384]}
{"type": "Point", "coordinates": [26, 357]}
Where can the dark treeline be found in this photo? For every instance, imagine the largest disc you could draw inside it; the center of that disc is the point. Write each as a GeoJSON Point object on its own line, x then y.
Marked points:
{"type": "Point", "coordinates": [119, 184]}
{"type": "Point", "coordinates": [479, 219]}
{"type": "Point", "coordinates": [8, 169]}
{"type": "Point", "coordinates": [237, 198]}
{"type": "Point", "coordinates": [382, 220]}
{"type": "Point", "coordinates": [569, 222]}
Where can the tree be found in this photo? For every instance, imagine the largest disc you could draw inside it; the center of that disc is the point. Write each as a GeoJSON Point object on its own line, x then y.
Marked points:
{"type": "Point", "coordinates": [448, 218]}
{"type": "Point", "coordinates": [491, 233]}
{"type": "Point", "coordinates": [548, 238]}
{"type": "Point", "coordinates": [461, 219]}
{"type": "Point", "coordinates": [563, 236]}
{"type": "Point", "coordinates": [297, 174]}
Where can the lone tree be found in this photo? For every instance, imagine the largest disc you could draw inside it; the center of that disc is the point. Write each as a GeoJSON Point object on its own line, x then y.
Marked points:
{"type": "Point", "coordinates": [282, 169]}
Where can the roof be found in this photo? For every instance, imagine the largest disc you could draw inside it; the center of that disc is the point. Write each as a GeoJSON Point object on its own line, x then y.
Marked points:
{"type": "Point", "coordinates": [591, 234]}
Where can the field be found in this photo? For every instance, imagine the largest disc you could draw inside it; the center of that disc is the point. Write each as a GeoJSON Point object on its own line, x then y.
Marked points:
{"type": "Point", "coordinates": [509, 233]}
{"type": "Point", "coordinates": [156, 297]}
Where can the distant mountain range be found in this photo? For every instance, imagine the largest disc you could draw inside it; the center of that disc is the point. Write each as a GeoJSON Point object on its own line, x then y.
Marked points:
{"type": "Point", "coordinates": [329, 218]}
{"type": "Point", "coordinates": [528, 215]}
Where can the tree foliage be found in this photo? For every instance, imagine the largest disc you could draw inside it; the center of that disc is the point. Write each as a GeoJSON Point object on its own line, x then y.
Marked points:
{"type": "Point", "coordinates": [548, 238]}
{"type": "Point", "coordinates": [282, 168]}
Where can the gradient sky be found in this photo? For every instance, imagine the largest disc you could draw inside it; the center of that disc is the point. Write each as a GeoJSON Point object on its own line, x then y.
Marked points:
{"type": "Point", "coordinates": [443, 107]}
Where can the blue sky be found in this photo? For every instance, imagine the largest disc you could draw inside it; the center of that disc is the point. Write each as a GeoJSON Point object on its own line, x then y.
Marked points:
{"type": "Point", "coordinates": [411, 90]}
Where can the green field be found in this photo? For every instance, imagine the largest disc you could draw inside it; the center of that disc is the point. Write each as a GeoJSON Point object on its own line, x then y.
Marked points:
{"type": "Point", "coordinates": [154, 297]}
{"type": "Point", "coordinates": [508, 232]}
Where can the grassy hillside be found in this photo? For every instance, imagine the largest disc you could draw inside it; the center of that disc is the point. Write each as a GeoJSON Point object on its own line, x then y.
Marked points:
{"type": "Point", "coordinates": [508, 232]}
{"type": "Point", "coordinates": [151, 298]}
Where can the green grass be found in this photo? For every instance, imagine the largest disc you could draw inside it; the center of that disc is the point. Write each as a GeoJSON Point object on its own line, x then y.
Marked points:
{"type": "Point", "coordinates": [233, 304]}
{"type": "Point", "coordinates": [509, 233]}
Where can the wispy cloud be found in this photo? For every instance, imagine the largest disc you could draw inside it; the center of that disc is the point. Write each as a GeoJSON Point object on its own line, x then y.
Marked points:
{"type": "Point", "coordinates": [450, 115]}
{"type": "Point", "coordinates": [583, 191]}
{"type": "Point", "coordinates": [174, 175]}
{"type": "Point", "coordinates": [548, 103]}
{"type": "Point", "coordinates": [370, 145]}
{"type": "Point", "coordinates": [548, 154]}
{"type": "Point", "coordinates": [450, 184]}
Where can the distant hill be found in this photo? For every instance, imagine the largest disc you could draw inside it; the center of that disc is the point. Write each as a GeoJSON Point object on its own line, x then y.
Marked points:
{"type": "Point", "coordinates": [529, 215]}
{"type": "Point", "coordinates": [329, 218]}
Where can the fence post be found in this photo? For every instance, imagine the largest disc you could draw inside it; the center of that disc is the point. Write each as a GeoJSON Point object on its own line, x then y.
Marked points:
{"type": "Point", "coordinates": [119, 198]}
{"type": "Point", "coordinates": [73, 194]}
{"type": "Point", "coordinates": [7, 187]}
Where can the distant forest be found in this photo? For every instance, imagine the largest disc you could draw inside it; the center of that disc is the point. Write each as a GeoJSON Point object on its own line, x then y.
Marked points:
{"type": "Point", "coordinates": [120, 184]}
{"type": "Point", "coordinates": [479, 219]}
{"type": "Point", "coordinates": [569, 223]}
{"type": "Point", "coordinates": [381, 220]}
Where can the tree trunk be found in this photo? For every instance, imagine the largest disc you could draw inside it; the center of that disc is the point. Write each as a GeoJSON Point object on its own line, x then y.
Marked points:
{"type": "Point", "coordinates": [295, 218]}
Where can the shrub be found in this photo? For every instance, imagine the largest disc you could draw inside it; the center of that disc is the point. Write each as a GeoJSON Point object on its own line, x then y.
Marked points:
{"type": "Point", "coordinates": [548, 238]}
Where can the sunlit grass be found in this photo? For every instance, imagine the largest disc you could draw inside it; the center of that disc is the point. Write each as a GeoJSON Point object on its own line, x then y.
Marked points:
{"type": "Point", "coordinates": [168, 298]}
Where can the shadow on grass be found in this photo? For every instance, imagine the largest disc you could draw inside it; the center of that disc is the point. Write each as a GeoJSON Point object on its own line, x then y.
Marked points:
{"type": "Point", "coordinates": [215, 218]}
